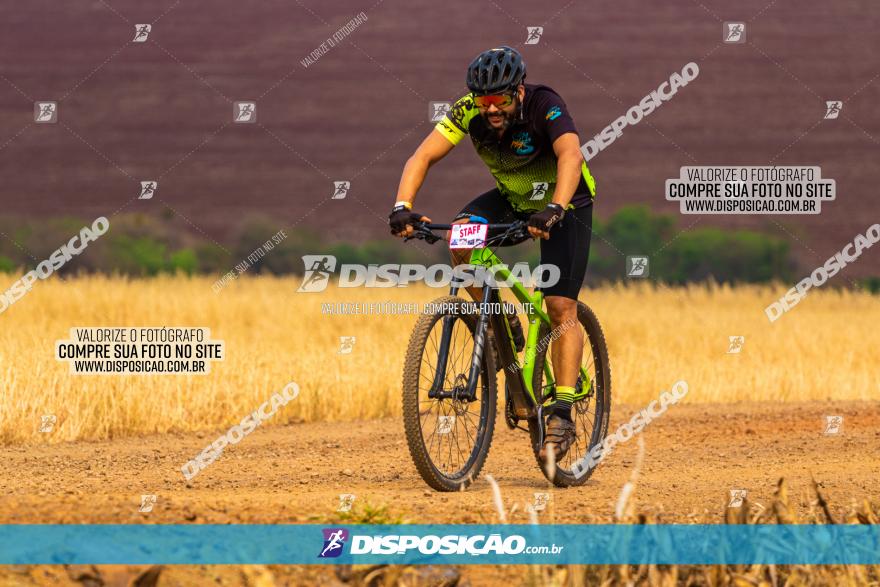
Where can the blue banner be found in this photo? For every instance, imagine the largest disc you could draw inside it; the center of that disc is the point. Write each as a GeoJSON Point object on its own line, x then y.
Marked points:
{"type": "Point", "coordinates": [439, 544]}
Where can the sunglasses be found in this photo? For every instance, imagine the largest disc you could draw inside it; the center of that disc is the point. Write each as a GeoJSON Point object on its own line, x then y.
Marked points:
{"type": "Point", "coordinates": [498, 100]}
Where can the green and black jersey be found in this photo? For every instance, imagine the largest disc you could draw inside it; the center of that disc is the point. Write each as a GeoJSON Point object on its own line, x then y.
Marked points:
{"type": "Point", "coordinates": [522, 160]}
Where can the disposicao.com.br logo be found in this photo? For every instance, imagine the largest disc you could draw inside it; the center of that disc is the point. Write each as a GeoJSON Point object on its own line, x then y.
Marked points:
{"type": "Point", "coordinates": [319, 268]}
{"type": "Point", "coordinates": [450, 544]}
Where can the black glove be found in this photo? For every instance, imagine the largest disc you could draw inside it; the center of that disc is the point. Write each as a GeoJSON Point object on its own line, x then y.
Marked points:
{"type": "Point", "coordinates": [546, 218]}
{"type": "Point", "coordinates": [400, 217]}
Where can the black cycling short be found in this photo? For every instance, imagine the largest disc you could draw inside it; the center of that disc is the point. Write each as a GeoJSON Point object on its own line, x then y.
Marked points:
{"type": "Point", "coordinates": [568, 246]}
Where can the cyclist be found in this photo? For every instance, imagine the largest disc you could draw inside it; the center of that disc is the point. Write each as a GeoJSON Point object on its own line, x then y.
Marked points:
{"type": "Point", "coordinates": [526, 137]}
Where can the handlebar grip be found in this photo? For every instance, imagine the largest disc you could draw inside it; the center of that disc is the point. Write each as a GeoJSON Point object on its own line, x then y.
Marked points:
{"type": "Point", "coordinates": [432, 226]}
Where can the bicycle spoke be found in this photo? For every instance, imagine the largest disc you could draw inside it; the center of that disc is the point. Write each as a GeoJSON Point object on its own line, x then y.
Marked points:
{"type": "Point", "coordinates": [461, 354]}
{"type": "Point", "coordinates": [430, 379]}
{"type": "Point", "coordinates": [449, 456]}
{"type": "Point", "coordinates": [433, 340]}
{"type": "Point", "coordinates": [458, 356]}
{"type": "Point", "coordinates": [464, 455]}
{"type": "Point", "coordinates": [472, 437]}
{"type": "Point", "coordinates": [434, 403]}
{"type": "Point", "coordinates": [467, 429]}
{"type": "Point", "coordinates": [455, 440]}
{"type": "Point", "coordinates": [439, 438]}
{"type": "Point", "coordinates": [592, 361]}
{"type": "Point", "coordinates": [431, 401]}
{"type": "Point", "coordinates": [433, 433]}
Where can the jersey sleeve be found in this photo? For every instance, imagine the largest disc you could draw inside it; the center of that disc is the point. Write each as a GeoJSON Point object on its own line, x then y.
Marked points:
{"type": "Point", "coordinates": [454, 125]}
{"type": "Point", "coordinates": [554, 115]}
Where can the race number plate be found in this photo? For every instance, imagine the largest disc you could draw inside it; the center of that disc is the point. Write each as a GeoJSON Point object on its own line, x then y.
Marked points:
{"type": "Point", "coordinates": [468, 236]}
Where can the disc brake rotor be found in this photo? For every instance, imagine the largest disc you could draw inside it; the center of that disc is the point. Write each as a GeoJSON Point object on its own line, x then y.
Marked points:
{"type": "Point", "coordinates": [583, 405]}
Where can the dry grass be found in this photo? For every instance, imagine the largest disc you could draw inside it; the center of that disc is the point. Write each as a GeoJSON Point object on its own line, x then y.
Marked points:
{"type": "Point", "coordinates": [824, 348]}
{"type": "Point", "coordinates": [780, 511]}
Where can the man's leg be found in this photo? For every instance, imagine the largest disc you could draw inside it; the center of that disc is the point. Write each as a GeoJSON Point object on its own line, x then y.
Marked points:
{"type": "Point", "coordinates": [566, 350]}
{"type": "Point", "coordinates": [568, 248]}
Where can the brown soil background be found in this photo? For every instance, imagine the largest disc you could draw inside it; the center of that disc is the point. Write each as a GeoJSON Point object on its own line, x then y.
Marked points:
{"type": "Point", "coordinates": [162, 109]}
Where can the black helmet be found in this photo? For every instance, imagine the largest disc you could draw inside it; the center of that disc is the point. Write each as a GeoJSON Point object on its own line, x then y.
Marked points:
{"type": "Point", "coordinates": [496, 70]}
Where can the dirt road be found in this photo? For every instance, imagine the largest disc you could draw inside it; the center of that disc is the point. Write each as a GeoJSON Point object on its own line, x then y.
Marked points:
{"type": "Point", "coordinates": [694, 456]}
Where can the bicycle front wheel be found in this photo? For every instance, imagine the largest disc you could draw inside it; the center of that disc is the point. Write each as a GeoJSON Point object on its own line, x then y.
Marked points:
{"type": "Point", "coordinates": [592, 407]}
{"type": "Point", "coordinates": [448, 433]}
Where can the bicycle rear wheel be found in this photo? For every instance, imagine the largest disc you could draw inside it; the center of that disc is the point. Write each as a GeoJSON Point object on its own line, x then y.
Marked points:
{"type": "Point", "coordinates": [448, 436]}
{"type": "Point", "coordinates": [590, 413]}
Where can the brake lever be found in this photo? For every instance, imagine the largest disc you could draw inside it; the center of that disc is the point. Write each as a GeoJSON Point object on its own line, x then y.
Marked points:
{"type": "Point", "coordinates": [422, 233]}
{"type": "Point", "coordinates": [518, 231]}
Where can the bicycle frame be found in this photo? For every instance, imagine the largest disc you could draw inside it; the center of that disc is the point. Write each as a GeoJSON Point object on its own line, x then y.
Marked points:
{"type": "Point", "coordinates": [526, 404]}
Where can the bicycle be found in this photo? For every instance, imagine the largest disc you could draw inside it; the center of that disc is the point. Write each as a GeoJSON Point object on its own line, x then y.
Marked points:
{"type": "Point", "coordinates": [439, 393]}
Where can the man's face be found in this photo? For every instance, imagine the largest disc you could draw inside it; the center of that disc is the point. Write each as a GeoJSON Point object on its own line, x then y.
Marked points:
{"type": "Point", "coordinates": [500, 115]}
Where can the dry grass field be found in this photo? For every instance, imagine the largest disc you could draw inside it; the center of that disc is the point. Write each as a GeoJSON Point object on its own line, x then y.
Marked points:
{"type": "Point", "coordinates": [825, 348]}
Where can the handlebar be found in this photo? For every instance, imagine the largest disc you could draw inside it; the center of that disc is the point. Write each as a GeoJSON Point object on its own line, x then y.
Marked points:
{"type": "Point", "coordinates": [433, 226]}
{"type": "Point", "coordinates": [423, 231]}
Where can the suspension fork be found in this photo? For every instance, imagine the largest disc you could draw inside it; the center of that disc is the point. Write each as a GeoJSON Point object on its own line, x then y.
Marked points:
{"type": "Point", "coordinates": [443, 352]}
{"type": "Point", "coordinates": [480, 337]}
{"type": "Point", "coordinates": [443, 357]}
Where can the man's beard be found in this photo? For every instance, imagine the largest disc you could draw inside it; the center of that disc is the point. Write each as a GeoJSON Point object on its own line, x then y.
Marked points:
{"type": "Point", "coordinates": [506, 118]}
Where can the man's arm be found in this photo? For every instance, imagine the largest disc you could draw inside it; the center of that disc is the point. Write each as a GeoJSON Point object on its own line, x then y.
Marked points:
{"type": "Point", "coordinates": [568, 174]}
{"type": "Point", "coordinates": [433, 148]}
{"type": "Point", "coordinates": [569, 160]}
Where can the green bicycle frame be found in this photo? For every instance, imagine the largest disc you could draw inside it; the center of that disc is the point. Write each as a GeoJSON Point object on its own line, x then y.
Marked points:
{"type": "Point", "coordinates": [533, 304]}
